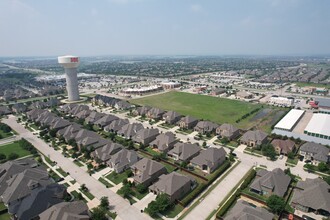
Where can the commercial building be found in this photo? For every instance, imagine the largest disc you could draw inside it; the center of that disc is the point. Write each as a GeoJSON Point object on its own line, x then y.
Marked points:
{"type": "Point", "coordinates": [281, 101]}
{"type": "Point", "coordinates": [319, 126]}
{"type": "Point", "coordinates": [289, 121]}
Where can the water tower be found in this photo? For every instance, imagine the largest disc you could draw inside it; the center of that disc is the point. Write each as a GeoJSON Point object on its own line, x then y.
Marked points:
{"type": "Point", "coordinates": [70, 64]}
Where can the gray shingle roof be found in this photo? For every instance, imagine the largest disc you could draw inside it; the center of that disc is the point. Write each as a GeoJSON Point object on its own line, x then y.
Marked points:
{"type": "Point", "coordinates": [170, 183]}
{"type": "Point", "coordinates": [185, 150]}
{"type": "Point", "coordinates": [315, 194]}
{"type": "Point", "coordinates": [209, 157]}
{"type": "Point", "coordinates": [129, 130]}
{"type": "Point", "coordinates": [164, 141]}
{"type": "Point", "coordinates": [257, 136]}
{"type": "Point", "coordinates": [277, 181]}
{"type": "Point", "coordinates": [319, 151]}
{"type": "Point", "coordinates": [123, 158]}
{"type": "Point", "coordinates": [104, 153]}
{"type": "Point", "coordinates": [77, 210]}
{"type": "Point", "coordinates": [145, 133]}
{"type": "Point", "coordinates": [244, 211]}
{"type": "Point", "coordinates": [147, 168]}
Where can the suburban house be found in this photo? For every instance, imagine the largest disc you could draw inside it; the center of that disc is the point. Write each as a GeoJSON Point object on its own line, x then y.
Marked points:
{"type": "Point", "coordinates": [67, 107]}
{"type": "Point", "coordinates": [164, 142]}
{"type": "Point", "coordinates": [147, 171]}
{"type": "Point", "coordinates": [59, 124]}
{"type": "Point", "coordinates": [40, 199]}
{"type": "Point", "coordinates": [155, 113]}
{"type": "Point", "coordinates": [227, 130]}
{"type": "Point", "coordinates": [104, 153]}
{"type": "Point", "coordinates": [312, 195]}
{"type": "Point", "coordinates": [122, 105]}
{"type": "Point", "coordinates": [78, 108]}
{"type": "Point", "coordinates": [105, 120]}
{"type": "Point", "coordinates": [69, 132]}
{"type": "Point", "coordinates": [184, 152]}
{"type": "Point", "coordinates": [145, 135]}
{"type": "Point", "coordinates": [205, 127]}
{"type": "Point", "coordinates": [315, 152]}
{"type": "Point", "coordinates": [123, 160]}
{"type": "Point", "coordinates": [141, 110]}
{"type": "Point", "coordinates": [254, 138]}
{"type": "Point", "coordinates": [19, 108]}
{"type": "Point", "coordinates": [105, 100]}
{"type": "Point", "coordinates": [210, 159]}
{"type": "Point", "coordinates": [129, 130]}
{"type": "Point", "coordinates": [172, 117]}
{"type": "Point", "coordinates": [217, 91]}
{"type": "Point", "coordinates": [283, 146]}
{"type": "Point", "coordinates": [4, 110]}
{"type": "Point", "coordinates": [77, 210]}
{"type": "Point", "coordinates": [244, 210]}
{"type": "Point", "coordinates": [94, 117]}
{"type": "Point", "coordinates": [116, 125]}
{"type": "Point", "coordinates": [174, 185]}
{"type": "Point", "coordinates": [271, 182]}
{"type": "Point", "coordinates": [83, 114]}
{"type": "Point", "coordinates": [188, 122]}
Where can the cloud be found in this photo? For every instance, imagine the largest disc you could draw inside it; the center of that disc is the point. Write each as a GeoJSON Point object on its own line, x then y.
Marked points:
{"type": "Point", "coordinates": [196, 8]}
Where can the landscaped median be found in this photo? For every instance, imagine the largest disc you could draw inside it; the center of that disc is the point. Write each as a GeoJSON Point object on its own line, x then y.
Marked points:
{"type": "Point", "coordinates": [194, 194]}
{"type": "Point", "coordinates": [230, 199]}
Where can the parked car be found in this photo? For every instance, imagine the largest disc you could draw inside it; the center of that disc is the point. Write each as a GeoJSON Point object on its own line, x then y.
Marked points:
{"type": "Point", "coordinates": [308, 161]}
{"type": "Point", "coordinates": [235, 155]}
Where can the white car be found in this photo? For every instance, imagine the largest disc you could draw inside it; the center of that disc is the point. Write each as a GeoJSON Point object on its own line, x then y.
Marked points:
{"type": "Point", "coordinates": [280, 157]}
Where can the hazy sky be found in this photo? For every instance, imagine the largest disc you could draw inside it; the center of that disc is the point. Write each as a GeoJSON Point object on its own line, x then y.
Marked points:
{"type": "Point", "coordinates": [164, 27]}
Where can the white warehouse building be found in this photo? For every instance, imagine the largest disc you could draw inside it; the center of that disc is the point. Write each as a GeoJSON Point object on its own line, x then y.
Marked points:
{"type": "Point", "coordinates": [290, 120]}
{"type": "Point", "coordinates": [319, 126]}
{"type": "Point", "coordinates": [281, 101]}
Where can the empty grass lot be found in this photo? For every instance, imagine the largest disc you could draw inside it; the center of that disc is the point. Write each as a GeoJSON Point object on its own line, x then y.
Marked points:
{"type": "Point", "coordinates": [13, 148]}
{"type": "Point", "coordinates": [216, 109]}
{"type": "Point", "coordinates": [5, 134]}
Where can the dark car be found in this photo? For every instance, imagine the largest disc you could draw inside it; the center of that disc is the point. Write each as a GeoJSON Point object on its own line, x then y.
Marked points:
{"type": "Point", "coordinates": [308, 161]}
{"type": "Point", "coordinates": [235, 155]}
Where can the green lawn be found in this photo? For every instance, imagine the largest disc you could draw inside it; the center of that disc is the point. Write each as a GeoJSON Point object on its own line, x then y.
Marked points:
{"type": "Point", "coordinates": [62, 172]}
{"type": "Point", "coordinates": [173, 211]}
{"type": "Point", "coordinates": [138, 195]}
{"type": "Point", "coordinates": [151, 151]}
{"type": "Point", "coordinates": [88, 194]}
{"type": "Point", "coordinates": [13, 148]}
{"type": "Point", "coordinates": [78, 163]}
{"type": "Point", "coordinates": [75, 194]}
{"type": "Point", "coordinates": [106, 183]}
{"type": "Point", "coordinates": [5, 216]}
{"type": "Point", "coordinates": [117, 178]}
{"type": "Point", "coordinates": [302, 84]}
{"type": "Point", "coordinates": [293, 161]}
{"type": "Point", "coordinates": [4, 134]}
{"type": "Point", "coordinates": [216, 109]}
{"type": "Point", "coordinates": [2, 206]}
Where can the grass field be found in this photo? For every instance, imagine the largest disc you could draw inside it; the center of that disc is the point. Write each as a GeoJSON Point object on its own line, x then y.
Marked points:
{"type": "Point", "coordinates": [302, 84]}
{"type": "Point", "coordinates": [218, 110]}
{"type": "Point", "coordinates": [13, 148]}
{"type": "Point", "coordinates": [117, 178]}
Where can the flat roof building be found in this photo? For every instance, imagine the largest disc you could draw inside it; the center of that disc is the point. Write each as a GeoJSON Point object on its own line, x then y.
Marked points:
{"type": "Point", "coordinates": [289, 121]}
{"type": "Point", "coordinates": [319, 126]}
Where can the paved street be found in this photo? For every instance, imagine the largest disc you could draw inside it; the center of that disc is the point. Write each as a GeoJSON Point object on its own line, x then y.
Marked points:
{"type": "Point", "coordinates": [211, 201]}
{"type": "Point", "coordinates": [121, 206]}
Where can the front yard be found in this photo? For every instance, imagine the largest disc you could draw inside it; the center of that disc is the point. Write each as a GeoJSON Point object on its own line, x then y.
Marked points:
{"type": "Point", "coordinates": [117, 178]}
{"type": "Point", "coordinates": [13, 148]}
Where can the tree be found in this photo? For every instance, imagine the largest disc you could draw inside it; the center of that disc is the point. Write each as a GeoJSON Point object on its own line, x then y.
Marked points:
{"type": "Point", "coordinates": [13, 156]}
{"type": "Point", "coordinates": [99, 213]}
{"type": "Point", "coordinates": [104, 202]}
{"type": "Point", "coordinates": [269, 151]}
{"type": "Point", "coordinates": [52, 133]}
{"type": "Point", "coordinates": [125, 191]}
{"type": "Point", "coordinates": [141, 188]}
{"type": "Point", "coordinates": [204, 144]}
{"type": "Point", "coordinates": [276, 204]}
{"type": "Point", "coordinates": [161, 203]}
{"type": "Point", "coordinates": [2, 156]}
{"type": "Point", "coordinates": [322, 167]}
{"type": "Point", "coordinates": [224, 140]}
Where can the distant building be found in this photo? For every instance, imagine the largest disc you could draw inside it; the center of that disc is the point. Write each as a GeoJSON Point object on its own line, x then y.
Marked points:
{"type": "Point", "coordinates": [281, 101]}
{"type": "Point", "coordinates": [170, 85]}
{"type": "Point", "coordinates": [319, 126]}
